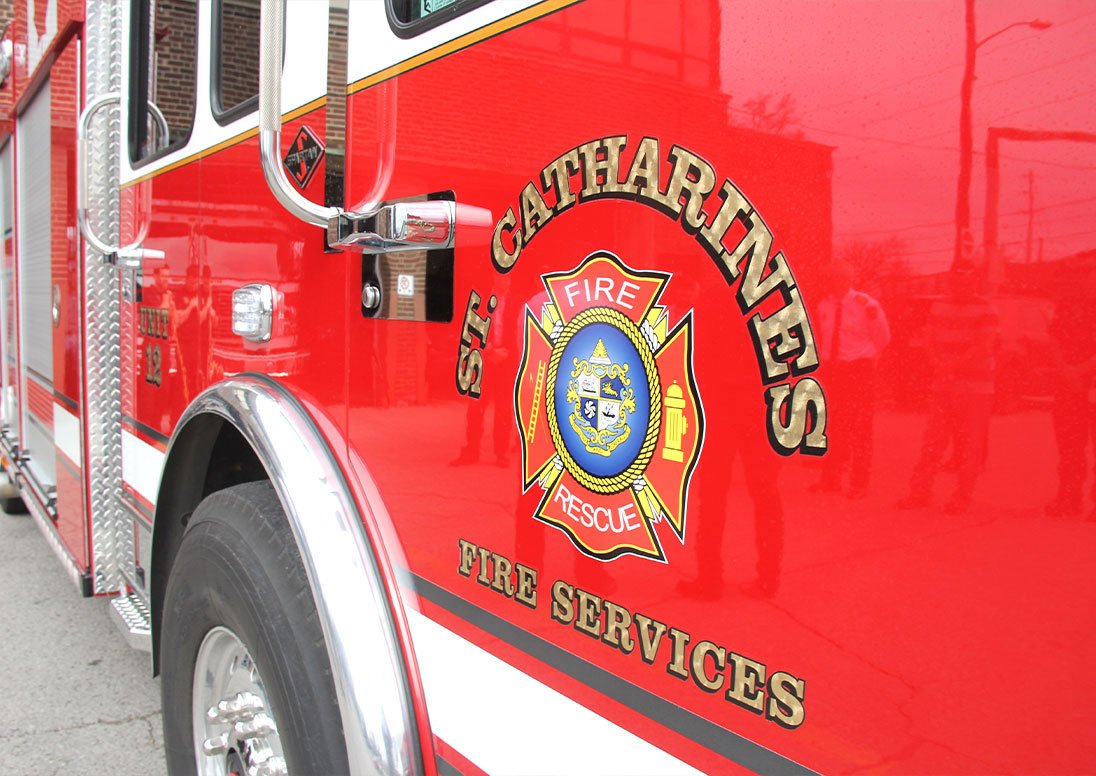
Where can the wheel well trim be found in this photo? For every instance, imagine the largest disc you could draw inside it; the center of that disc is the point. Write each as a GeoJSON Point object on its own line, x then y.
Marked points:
{"type": "Point", "coordinates": [369, 666]}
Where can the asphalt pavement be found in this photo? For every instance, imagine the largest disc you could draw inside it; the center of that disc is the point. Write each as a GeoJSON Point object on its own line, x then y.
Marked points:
{"type": "Point", "coordinates": [74, 697]}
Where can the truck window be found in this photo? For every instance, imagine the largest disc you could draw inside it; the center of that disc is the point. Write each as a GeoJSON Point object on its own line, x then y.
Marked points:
{"type": "Point", "coordinates": [235, 86]}
{"type": "Point", "coordinates": [411, 17]}
{"type": "Point", "coordinates": [164, 56]}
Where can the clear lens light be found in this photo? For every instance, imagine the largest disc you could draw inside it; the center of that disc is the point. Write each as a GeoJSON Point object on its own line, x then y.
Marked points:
{"type": "Point", "coordinates": [253, 312]}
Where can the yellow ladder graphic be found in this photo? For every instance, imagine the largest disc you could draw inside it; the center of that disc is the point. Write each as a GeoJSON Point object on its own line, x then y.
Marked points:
{"type": "Point", "coordinates": [536, 403]}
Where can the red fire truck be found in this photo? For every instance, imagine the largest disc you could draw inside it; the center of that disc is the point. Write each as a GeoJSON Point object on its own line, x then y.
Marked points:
{"type": "Point", "coordinates": [545, 386]}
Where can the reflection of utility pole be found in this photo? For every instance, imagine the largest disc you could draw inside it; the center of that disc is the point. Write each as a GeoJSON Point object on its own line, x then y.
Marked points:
{"type": "Point", "coordinates": [966, 150]}
{"type": "Point", "coordinates": [1031, 213]}
{"type": "Point", "coordinates": [994, 136]}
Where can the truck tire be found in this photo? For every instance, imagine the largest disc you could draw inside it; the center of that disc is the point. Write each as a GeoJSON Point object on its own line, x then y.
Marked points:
{"type": "Point", "coordinates": [246, 682]}
{"type": "Point", "coordinates": [13, 505]}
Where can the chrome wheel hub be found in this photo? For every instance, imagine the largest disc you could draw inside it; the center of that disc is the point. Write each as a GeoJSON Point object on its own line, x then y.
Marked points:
{"type": "Point", "coordinates": [234, 729]}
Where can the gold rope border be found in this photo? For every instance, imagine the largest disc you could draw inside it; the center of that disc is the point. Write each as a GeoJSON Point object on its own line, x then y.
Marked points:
{"type": "Point", "coordinates": [617, 319]}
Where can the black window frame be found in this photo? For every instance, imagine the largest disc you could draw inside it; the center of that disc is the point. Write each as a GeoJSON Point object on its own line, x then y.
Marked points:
{"type": "Point", "coordinates": [406, 30]}
{"type": "Point", "coordinates": [139, 55]}
{"type": "Point", "coordinates": [251, 104]}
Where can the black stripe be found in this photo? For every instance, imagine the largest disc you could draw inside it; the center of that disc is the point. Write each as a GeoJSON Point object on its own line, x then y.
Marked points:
{"type": "Point", "coordinates": [147, 430]}
{"type": "Point", "coordinates": [40, 422]}
{"type": "Point", "coordinates": [38, 377]}
{"type": "Point", "coordinates": [692, 726]}
{"type": "Point", "coordinates": [445, 768]}
{"type": "Point", "coordinates": [70, 403]}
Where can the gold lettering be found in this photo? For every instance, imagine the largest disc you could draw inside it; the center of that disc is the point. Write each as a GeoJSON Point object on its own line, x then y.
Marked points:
{"type": "Point", "coordinates": [484, 575]}
{"type": "Point", "coordinates": [601, 166]}
{"type": "Point", "coordinates": [799, 424]}
{"type": "Point", "coordinates": [617, 622]}
{"type": "Point", "coordinates": [534, 213]}
{"type": "Point", "coordinates": [650, 636]}
{"type": "Point", "coordinates": [588, 619]}
{"type": "Point", "coordinates": [563, 609]}
{"type": "Point", "coordinates": [676, 666]}
{"type": "Point", "coordinates": [700, 673]}
{"type": "Point", "coordinates": [526, 592]}
{"type": "Point", "coordinates": [467, 557]}
{"type": "Point", "coordinates": [784, 334]}
{"type": "Point", "coordinates": [693, 177]}
{"type": "Point", "coordinates": [557, 178]}
{"type": "Point", "coordinates": [502, 258]}
{"type": "Point", "coordinates": [746, 677]}
{"type": "Point", "coordinates": [711, 236]}
{"type": "Point", "coordinates": [786, 695]}
{"type": "Point", "coordinates": [643, 174]}
{"type": "Point", "coordinates": [502, 581]}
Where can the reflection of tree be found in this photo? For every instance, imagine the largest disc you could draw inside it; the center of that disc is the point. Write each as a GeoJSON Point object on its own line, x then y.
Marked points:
{"type": "Point", "coordinates": [878, 266]}
{"type": "Point", "coordinates": [769, 113]}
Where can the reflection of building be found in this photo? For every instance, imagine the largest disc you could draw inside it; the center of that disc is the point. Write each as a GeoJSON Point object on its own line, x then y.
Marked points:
{"type": "Point", "coordinates": [173, 56]}
{"type": "Point", "coordinates": [239, 49]}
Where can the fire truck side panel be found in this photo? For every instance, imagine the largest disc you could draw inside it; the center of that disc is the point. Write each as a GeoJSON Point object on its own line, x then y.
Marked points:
{"type": "Point", "coordinates": [43, 349]}
{"type": "Point", "coordinates": [449, 404]}
{"type": "Point", "coordinates": [35, 286]}
{"type": "Point", "coordinates": [66, 286]}
{"type": "Point", "coordinates": [637, 475]}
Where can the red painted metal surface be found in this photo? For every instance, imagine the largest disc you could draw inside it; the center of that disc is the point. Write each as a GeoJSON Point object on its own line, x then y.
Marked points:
{"type": "Point", "coordinates": [917, 592]}
{"type": "Point", "coordinates": [910, 573]}
{"type": "Point", "coordinates": [913, 623]}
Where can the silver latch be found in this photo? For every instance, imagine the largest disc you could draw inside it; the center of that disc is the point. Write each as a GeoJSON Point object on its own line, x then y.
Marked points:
{"type": "Point", "coordinates": [132, 257]}
{"type": "Point", "coordinates": [400, 226]}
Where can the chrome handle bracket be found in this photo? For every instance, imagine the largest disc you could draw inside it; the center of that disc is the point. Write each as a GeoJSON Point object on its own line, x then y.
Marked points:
{"type": "Point", "coordinates": [399, 226]}
{"type": "Point", "coordinates": [132, 257]}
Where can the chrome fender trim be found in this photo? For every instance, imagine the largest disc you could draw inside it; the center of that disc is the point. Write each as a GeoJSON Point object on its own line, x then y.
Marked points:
{"type": "Point", "coordinates": [354, 610]}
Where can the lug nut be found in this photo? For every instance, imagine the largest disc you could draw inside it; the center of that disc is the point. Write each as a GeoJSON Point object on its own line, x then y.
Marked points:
{"type": "Point", "coordinates": [215, 745]}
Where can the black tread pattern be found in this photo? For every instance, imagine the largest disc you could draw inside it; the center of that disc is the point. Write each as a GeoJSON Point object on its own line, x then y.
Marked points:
{"type": "Point", "coordinates": [238, 566]}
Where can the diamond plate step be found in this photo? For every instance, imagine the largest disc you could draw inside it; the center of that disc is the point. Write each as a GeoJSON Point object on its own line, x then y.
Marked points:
{"type": "Point", "coordinates": [131, 616]}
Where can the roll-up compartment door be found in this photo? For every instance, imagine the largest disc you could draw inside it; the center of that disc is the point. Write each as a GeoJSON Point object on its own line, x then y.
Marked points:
{"type": "Point", "coordinates": [35, 308]}
{"type": "Point", "coordinates": [9, 370]}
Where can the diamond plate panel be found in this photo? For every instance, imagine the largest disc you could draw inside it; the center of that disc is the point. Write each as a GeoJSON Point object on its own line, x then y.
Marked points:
{"type": "Point", "coordinates": [111, 527]}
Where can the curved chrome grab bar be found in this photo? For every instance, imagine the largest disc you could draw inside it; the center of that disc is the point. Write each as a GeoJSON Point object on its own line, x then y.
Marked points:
{"type": "Point", "coordinates": [130, 256]}
{"type": "Point", "coordinates": [272, 26]}
{"type": "Point", "coordinates": [82, 125]}
{"type": "Point", "coordinates": [161, 122]}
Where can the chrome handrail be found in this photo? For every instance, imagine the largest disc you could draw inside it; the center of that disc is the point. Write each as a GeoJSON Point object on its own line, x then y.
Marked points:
{"type": "Point", "coordinates": [131, 256]}
{"type": "Point", "coordinates": [82, 125]}
{"type": "Point", "coordinates": [271, 38]}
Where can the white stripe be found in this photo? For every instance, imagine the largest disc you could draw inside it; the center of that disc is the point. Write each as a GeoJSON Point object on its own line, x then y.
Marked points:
{"type": "Point", "coordinates": [507, 722]}
{"type": "Point", "coordinates": [374, 47]}
{"type": "Point", "coordinates": [66, 433]}
{"type": "Point", "coordinates": [142, 466]}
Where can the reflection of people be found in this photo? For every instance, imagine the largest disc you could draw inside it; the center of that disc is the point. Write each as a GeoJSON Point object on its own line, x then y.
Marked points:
{"type": "Point", "coordinates": [963, 332]}
{"type": "Point", "coordinates": [1074, 410]}
{"type": "Point", "coordinates": [852, 333]}
{"type": "Point", "coordinates": [763, 484]}
{"type": "Point", "coordinates": [169, 363]}
{"type": "Point", "coordinates": [198, 318]}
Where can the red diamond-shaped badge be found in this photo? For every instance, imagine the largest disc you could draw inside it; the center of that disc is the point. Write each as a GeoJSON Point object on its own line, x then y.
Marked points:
{"type": "Point", "coordinates": [303, 157]}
